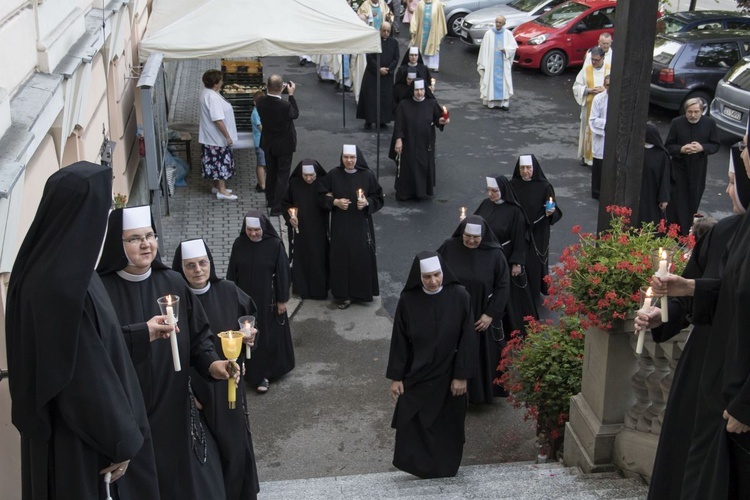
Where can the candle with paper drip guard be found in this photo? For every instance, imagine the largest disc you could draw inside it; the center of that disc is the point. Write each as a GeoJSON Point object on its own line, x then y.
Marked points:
{"type": "Point", "coordinates": [549, 204]}
{"type": "Point", "coordinates": [170, 307]}
{"type": "Point", "coordinates": [360, 195]}
{"type": "Point", "coordinates": [646, 307]}
{"type": "Point", "coordinates": [247, 323]}
{"type": "Point", "coordinates": [231, 344]}
{"type": "Point", "coordinates": [446, 114]}
{"type": "Point", "coordinates": [293, 215]}
{"type": "Point", "coordinates": [463, 214]}
{"type": "Point", "coordinates": [662, 262]}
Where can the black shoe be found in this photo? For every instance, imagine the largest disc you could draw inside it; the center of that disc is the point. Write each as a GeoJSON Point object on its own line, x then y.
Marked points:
{"type": "Point", "coordinates": [302, 62]}
{"type": "Point", "coordinates": [368, 125]}
{"type": "Point", "coordinates": [259, 189]}
{"type": "Point", "coordinates": [504, 108]}
{"type": "Point", "coordinates": [344, 304]}
{"type": "Point", "coordinates": [347, 88]}
{"type": "Point", "coordinates": [383, 125]}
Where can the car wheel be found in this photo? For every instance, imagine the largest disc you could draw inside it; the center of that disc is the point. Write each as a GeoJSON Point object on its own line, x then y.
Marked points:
{"type": "Point", "coordinates": [698, 94]}
{"type": "Point", "coordinates": [553, 63]}
{"type": "Point", "coordinates": [454, 24]}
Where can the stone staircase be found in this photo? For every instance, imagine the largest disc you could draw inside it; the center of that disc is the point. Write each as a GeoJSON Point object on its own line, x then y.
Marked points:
{"type": "Point", "coordinates": [517, 481]}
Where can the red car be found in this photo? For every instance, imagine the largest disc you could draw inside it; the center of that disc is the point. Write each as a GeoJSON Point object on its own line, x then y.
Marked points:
{"type": "Point", "coordinates": [561, 37]}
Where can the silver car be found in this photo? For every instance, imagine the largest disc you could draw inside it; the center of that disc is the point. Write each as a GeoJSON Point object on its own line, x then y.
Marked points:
{"type": "Point", "coordinates": [732, 102]}
{"type": "Point", "coordinates": [516, 12]}
{"type": "Point", "coordinates": [456, 10]}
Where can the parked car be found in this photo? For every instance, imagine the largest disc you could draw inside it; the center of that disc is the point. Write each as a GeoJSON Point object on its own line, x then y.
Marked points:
{"type": "Point", "coordinates": [561, 37]}
{"type": "Point", "coordinates": [456, 10]}
{"type": "Point", "coordinates": [690, 64]}
{"type": "Point", "coordinates": [731, 105]}
{"type": "Point", "coordinates": [516, 13]}
{"type": "Point", "coordinates": [701, 20]}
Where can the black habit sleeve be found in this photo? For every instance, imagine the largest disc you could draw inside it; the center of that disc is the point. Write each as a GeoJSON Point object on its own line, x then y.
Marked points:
{"type": "Point", "coordinates": [713, 143]}
{"type": "Point", "coordinates": [282, 277]}
{"type": "Point", "coordinates": [664, 182]}
{"type": "Point", "coordinates": [557, 214]}
{"type": "Point", "coordinates": [202, 349]}
{"type": "Point", "coordinates": [672, 144]}
{"type": "Point", "coordinates": [375, 199]}
{"type": "Point", "coordinates": [500, 289]}
{"type": "Point", "coordinates": [464, 366]}
{"type": "Point", "coordinates": [400, 353]}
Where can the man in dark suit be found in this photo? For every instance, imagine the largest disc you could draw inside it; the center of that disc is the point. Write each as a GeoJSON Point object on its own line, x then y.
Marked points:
{"type": "Point", "coordinates": [278, 138]}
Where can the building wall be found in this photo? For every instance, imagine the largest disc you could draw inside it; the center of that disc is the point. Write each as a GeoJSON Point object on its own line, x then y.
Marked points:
{"type": "Point", "coordinates": [53, 37]}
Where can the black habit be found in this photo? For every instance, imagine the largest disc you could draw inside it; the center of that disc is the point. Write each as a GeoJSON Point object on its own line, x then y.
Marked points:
{"type": "Point", "coordinates": [508, 223]}
{"type": "Point", "coordinates": [308, 247]}
{"type": "Point", "coordinates": [354, 267]}
{"type": "Point", "coordinates": [532, 195]}
{"type": "Point", "coordinates": [164, 390]}
{"type": "Point", "coordinates": [261, 270]}
{"type": "Point", "coordinates": [368, 96]}
{"type": "Point", "coordinates": [484, 272]}
{"type": "Point", "coordinates": [433, 343]}
{"type": "Point", "coordinates": [679, 418]}
{"type": "Point", "coordinates": [415, 125]}
{"type": "Point", "coordinates": [689, 170]}
{"type": "Point", "coordinates": [224, 304]}
{"type": "Point", "coordinates": [75, 396]}
{"type": "Point", "coordinates": [655, 183]}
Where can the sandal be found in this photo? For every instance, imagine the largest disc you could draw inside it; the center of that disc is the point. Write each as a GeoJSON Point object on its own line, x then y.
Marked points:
{"type": "Point", "coordinates": [263, 386]}
{"type": "Point", "coordinates": [344, 304]}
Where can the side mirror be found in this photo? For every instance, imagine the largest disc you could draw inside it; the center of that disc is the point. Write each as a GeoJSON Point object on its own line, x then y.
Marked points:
{"type": "Point", "coordinates": [579, 27]}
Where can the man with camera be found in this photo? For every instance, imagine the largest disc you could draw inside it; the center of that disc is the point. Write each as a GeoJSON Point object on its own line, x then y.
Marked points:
{"type": "Point", "coordinates": [278, 138]}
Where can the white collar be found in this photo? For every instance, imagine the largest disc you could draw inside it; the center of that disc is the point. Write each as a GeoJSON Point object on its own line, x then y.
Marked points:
{"type": "Point", "coordinates": [134, 278]}
{"type": "Point", "coordinates": [648, 146]}
{"type": "Point", "coordinates": [499, 202]}
{"type": "Point", "coordinates": [201, 291]}
{"type": "Point", "coordinates": [418, 100]}
{"type": "Point", "coordinates": [432, 293]}
{"type": "Point", "coordinates": [352, 171]}
{"type": "Point", "coordinates": [274, 95]}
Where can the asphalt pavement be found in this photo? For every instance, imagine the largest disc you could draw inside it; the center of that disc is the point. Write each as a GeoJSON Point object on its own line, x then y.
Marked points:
{"type": "Point", "coordinates": [331, 415]}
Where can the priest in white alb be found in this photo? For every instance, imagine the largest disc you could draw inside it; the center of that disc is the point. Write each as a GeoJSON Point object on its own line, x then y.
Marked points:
{"type": "Point", "coordinates": [493, 64]}
{"type": "Point", "coordinates": [589, 82]}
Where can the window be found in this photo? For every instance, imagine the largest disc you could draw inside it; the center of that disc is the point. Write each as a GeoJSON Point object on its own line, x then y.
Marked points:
{"type": "Point", "coordinates": [561, 16]}
{"type": "Point", "coordinates": [738, 24]}
{"type": "Point", "coordinates": [739, 75]}
{"type": "Point", "coordinates": [713, 25]}
{"type": "Point", "coordinates": [718, 55]}
{"type": "Point", "coordinates": [665, 49]}
{"type": "Point", "coordinates": [600, 19]}
{"type": "Point", "coordinates": [669, 24]}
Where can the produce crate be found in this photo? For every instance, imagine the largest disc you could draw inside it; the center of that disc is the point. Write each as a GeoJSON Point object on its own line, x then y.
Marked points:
{"type": "Point", "coordinates": [242, 79]}
{"type": "Point", "coordinates": [231, 66]}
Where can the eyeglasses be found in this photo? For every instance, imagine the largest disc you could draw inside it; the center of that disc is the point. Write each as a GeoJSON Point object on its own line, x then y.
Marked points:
{"type": "Point", "coordinates": [596, 59]}
{"type": "Point", "coordinates": [192, 266]}
{"type": "Point", "coordinates": [138, 239]}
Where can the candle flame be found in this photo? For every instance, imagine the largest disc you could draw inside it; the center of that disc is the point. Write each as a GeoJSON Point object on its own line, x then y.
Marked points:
{"type": "Point", "coordinates": [169, 300]}
{"type": "Point", "coordinates": [649, 292]}
{"type": "Point", "coordinates": [550, 199]}
{"type": "Point", "coordinates": [445, 110]}
{"type": "Point", "coordinates": [663, 254]}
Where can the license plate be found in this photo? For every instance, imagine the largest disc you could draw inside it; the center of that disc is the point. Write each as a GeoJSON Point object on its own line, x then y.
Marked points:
{"type": "Point", "coordinates": [732, 113]}
{"type": "Point", "coordinates": [464, 34]}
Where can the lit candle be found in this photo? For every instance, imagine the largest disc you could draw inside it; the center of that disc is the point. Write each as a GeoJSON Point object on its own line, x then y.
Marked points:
{"type": "Point", "coordinates": [446, 114]}
{"type": "Point", "coordinates": [231, 344]}
{"type": "Point", "coordinates": [663, 273]}
{"type": "Point", "coordinates": [463, 213]}
{"type": "Point", "coordinates": [642, 331]}
{"type": "Point", "coordinates": [432, 83]}
{"type": "Point", "coordinates": [173, 336]}
{"type": "Point", "coordinates": [246, 331]}
{"type": "Point", "coordinates": [360, 195]}
{"type": "Point", "coordinates": [293, 215]}
{"type": "Point", "coordinates": [231, 386]}
{"type": "Point", "coordinates": [550, 204]}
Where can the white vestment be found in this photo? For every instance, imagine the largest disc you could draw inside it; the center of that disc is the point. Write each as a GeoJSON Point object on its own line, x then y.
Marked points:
{"type": "Point", "coordinates": [607, 57]}
{"type": "Point", "coordinates": [588, 78]}
{"type": "Point", "coordinates": [597, 123]}
{"type": "Point", "coordinates": [489, 55]}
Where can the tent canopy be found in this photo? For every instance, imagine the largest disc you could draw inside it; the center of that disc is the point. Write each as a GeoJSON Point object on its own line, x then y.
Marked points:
{"type": "Point", "coordinates": [209, 29]}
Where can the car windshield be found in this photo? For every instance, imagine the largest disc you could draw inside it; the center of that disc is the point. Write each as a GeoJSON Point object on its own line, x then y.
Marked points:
{"type": "Point", "coordinates": [525, 5]}
{"type": "Point", "coordinates": [739, 75]}
{"type": "Point", "coordinates": [669, 24]}
{"type": "Point", "coordinates": [665, 49]}
{"type": "Point", "coordinates": [562, 15]}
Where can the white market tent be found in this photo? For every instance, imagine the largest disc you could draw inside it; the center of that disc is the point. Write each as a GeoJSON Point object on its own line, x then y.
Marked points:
{"type": "Point", "coordinates": [209, 29]}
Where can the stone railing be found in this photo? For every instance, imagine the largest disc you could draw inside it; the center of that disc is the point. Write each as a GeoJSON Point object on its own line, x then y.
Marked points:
{"type": "Point", "coordinates": [616, 419]}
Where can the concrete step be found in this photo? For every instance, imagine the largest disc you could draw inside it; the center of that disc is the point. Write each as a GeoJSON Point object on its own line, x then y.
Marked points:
{"type": "Point", "coordinates": [517, 481]}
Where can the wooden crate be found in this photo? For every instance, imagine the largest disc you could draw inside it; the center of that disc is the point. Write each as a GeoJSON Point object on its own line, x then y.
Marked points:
{"type": "Point", "coordinates": [231, 66]}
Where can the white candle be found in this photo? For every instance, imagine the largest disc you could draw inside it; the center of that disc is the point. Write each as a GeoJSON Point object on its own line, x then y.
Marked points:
{"type": "Point", "coordinates": [173, 339]}
{"type": "Point", "coordinates": [246, 331]}
{"type": "Point", "coordinates": [663, 273]}
{"type": "Point", "coordinates": [360, 195]}
{"type": "Point", "coordinates": [642, 331]}
{"type": "Point", "coordinates": [463, 213]}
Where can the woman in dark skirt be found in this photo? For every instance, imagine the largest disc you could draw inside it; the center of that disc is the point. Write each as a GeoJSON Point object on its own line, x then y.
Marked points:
{"type": "Point", "coordinates": [655, 183]}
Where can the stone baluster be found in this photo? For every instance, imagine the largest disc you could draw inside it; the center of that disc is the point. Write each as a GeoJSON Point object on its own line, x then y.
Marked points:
{"type": "Point", "coordinates": [654, 381]}
{"type": "Point", "coordinates": [634, 418]}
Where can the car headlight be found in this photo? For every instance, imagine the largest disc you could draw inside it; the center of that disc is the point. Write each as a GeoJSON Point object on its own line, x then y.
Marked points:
{"type": "Point", "coordinates": [538, 40]}
{"type": "Point", "coordinates": [484, 26]}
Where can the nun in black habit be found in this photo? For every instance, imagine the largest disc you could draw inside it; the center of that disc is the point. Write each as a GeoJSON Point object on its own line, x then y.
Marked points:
{"type": "Point", "coordinates": [308, 232]}
{"type": "Point", "coordinates": [432, 355]}
{"type": "Point", "coordinates": [413, 143]}
{"type": "Point", "coordinates": [504, 215]}
{"type": "Point", "coordinates": [224, 304]}
{"type": "Point", "coordinates": [75, 395]}
{"type": "Point", "coordinates": [412, 62]}
{"type": "Point", "coordinates": [477, 261]}
{"type": "Point", "coordinates": [367, 105]}
{"type": "Point", "coordinates": [533, 191]}
{"type": "Point", "coordinates": [135, 277]}
{"type": "Point", "coordinates": [259, 265]}
{"type": "Point", "coordinates": [655, 184]}
{"type": "Point", "coordinates": [403, 87]}
{"type": "Point", "coordinates": [354, 268]}
{"type": "Point", "coordinates": [705, 269]}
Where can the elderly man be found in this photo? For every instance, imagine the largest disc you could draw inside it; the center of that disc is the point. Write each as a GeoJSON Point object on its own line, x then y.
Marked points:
{"type": "Point", "coordinates": [597, 123]}
{"type": "Point", "coordinates": [605, 43]}
{"type": "Point", "coordinates": [493, 64]}
{"type": "Point", "coordinates": [690, 140]}
{"type": "Point", "coordinates": [589, 82]}
{"type": "Point", "coordinates": [367, 106]}
{"type": "Point", "coordinates": [278, 139]}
